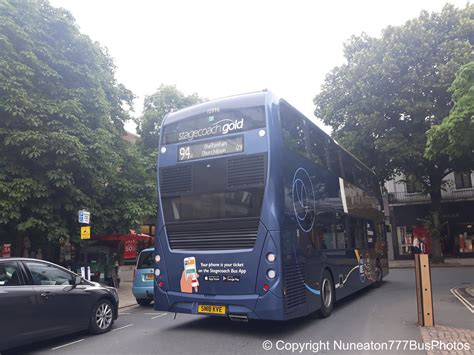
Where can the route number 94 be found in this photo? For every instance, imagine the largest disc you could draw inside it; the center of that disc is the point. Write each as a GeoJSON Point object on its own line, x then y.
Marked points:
{"type": "Point", "coordinates": [184, 153]}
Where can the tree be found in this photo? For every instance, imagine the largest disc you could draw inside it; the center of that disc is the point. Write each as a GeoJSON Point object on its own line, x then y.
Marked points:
{"type": "Point", "coordinates": [61, 128]}
{"type": "Point", "coordinates": [454, 136]}
{"type": "Point", "coordinates": [392, 90]}
{"type": "Point", "coordinates": [166, 99]}
{"type": "Point", "coordinates": [156, 106]}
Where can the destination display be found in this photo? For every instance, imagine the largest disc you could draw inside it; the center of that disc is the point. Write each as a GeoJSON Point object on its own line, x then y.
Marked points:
{"type": "Point", "coordinates": [211, 148]}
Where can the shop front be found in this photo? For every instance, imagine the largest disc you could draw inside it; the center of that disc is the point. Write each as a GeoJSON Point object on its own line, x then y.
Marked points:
{"type": "Point", "coordinates": [409, 225]}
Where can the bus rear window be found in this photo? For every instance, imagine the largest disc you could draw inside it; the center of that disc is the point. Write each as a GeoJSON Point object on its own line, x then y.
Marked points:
{"type": "Point", "coordinates": [145, 260]}
{"type": "Point", "coordinates": [235, 204]}
{"type": "Point", "coordinates": [216, 124]}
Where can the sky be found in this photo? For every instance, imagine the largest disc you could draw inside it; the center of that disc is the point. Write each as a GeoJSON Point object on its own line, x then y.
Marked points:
{"type": "Point", "coordinates": [221, 48]}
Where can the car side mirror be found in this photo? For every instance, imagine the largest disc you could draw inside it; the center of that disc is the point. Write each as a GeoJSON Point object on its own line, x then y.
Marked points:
{"type": "Point", "coordinates": [77, 280]}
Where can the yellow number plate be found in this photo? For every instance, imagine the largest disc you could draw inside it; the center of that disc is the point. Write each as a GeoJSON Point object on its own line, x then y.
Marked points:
{"type": "Point", "coordinates": [149, 277]}
{"type": "Point", "coordinates": [204, 308]}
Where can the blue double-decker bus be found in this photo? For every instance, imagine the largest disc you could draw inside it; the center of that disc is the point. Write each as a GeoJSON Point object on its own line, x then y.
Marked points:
{"type": "Point", "coordinates": [261, 214]}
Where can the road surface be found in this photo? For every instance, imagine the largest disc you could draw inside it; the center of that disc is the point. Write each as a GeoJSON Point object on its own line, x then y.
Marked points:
{"type": "Point", "coordinates": [382, 316]}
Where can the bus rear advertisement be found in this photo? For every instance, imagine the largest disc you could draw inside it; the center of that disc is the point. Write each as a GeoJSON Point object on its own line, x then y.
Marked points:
{"type": "Point", "coordinates": [261, 214]}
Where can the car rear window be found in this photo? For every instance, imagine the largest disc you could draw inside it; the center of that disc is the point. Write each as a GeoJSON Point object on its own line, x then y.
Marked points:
{"type": "Point", "coordinates": [145, 261]}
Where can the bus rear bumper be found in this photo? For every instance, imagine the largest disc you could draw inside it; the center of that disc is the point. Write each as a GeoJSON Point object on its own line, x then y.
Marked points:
{"type": "Point", "coordinates": [268, 306]}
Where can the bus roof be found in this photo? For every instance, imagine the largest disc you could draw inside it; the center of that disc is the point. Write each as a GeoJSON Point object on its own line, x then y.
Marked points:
{"type": "Point", "coordinates": [241, 100]}
{"type": "Point", "coordinates": [257, 98]}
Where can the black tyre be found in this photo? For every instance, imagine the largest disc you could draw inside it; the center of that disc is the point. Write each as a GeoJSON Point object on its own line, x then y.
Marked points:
{"type": "Point", "coordinates": [327, 295]}
{"type": "Point", "coordinates": [102, 317]}
{"type": "Point", "coordinates": [378, 274]}
{"type": "Point", "coordinates": [143, 301]}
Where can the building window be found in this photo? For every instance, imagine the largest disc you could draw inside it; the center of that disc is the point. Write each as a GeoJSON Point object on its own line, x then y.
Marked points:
{"type": "Point", "coordinates": [413, 186]}
{"type": "Point", "coordinates": [463, 179]}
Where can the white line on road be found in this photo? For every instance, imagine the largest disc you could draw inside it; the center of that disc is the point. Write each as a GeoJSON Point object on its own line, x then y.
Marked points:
{"type": "Point", "coordinates": [125, 326]}
{"type": "Point", "coordinates": [159, 315]}
{"type": "Point", "coordinates": [150, 314]}
{"type": "Point", "coordinates": [62, 346]}
{"type": "Point", "coordinates": [121, 314]}
{"type": "Point", "coordinates": [464, 301]}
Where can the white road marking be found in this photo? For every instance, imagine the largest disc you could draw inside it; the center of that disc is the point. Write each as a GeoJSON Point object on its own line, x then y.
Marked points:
{"type": "Point", "coordinates": [62, 346]}
{"type": "Point", "coordinates": [159, 315]}
{"type": "Point", "coordinates": [464, 301]}
{"type": "Point", "coordinates": [125, 326]}
{"type": "Point", "coordinates": [150, 314]}
{"type": "Point", "coordinates": [121, 314]}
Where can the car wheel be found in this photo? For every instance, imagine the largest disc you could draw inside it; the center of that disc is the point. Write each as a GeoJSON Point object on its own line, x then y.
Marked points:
{"type": "Point", "coordinates": [102, 317]}
{"type": "Point", "coordinates": [327, 295]}
{"type": "Point", "coordinates": [143, 301]}
{"type": "Point", "coordinates": [378, 275]}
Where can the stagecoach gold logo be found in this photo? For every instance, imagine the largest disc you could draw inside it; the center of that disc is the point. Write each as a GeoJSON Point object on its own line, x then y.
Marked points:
{"type": "Point", "coordinates": [304, 203]}
{"type": "Point", "coordinates": [221, 127]}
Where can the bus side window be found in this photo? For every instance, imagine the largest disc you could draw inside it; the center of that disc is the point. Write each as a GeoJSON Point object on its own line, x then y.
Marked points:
{"type": "Point", "coordinates": [358, 233]}
{"type": "Point", "coordinates": [341, 238]}
{"type": "Point", "coordinates": [293, 129]}
{"type": "Point", "coordinates": [331, 231]}
{"type": "Point", "coordinates": [332, 157]}
{"type": "Point", "coordinates": [317, 145]}
{"type": "Point", "coordinates": [371, 233]}
{"type": "Point", "coordinates": [347, 167]}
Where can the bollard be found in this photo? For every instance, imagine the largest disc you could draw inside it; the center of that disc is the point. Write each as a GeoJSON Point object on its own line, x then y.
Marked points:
{"type": "Point", "coordinates": [424, 296]}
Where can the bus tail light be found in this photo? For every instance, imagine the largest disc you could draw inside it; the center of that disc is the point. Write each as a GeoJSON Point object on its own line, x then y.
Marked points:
{"type": "Point", "coordinates": [157, 272]}
{"type": "Point", "coordinates": [266, 287]}
{"type": "Point", "coordinates": [161, 283]}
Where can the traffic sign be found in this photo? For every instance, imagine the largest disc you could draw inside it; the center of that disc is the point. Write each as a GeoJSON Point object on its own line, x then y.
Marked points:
{"type": "Point", "coordinates": [86, 232]}
{"type": "Point", "coordinates": [84, 217]}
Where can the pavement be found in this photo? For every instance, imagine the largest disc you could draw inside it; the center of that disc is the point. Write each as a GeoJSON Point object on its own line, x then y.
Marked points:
{"type": "Point", "coordinates": [448, 335]}
{"type": "Point", "coordinates": [126, 298]}
{"type": "Point", "coordinates": [381, 320]}
{"type": "Point", "coordinates": [449, 262]}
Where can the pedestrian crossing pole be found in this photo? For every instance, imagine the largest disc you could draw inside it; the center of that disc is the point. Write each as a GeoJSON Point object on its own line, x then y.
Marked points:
{"type": "Point", "coordinates": [424, 295]}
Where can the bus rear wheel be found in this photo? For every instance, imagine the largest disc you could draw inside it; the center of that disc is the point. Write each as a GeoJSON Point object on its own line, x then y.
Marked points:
{"type": "Point", "coordinates": [327, 295]}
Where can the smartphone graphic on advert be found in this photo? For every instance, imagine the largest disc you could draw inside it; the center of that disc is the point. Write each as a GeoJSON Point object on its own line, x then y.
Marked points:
{"type": "Point", "coordinates": [190, 271]}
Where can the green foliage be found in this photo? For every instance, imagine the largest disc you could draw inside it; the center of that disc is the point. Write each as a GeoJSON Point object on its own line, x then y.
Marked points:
{"type": "Point", "coordinates": [392, 90]}
{"type": "Point", "coordinates": [61, 128]}
{"type": "Point", "coordinates": [454, 137]}
{"type": "Point", "coordinates": [156, 106]}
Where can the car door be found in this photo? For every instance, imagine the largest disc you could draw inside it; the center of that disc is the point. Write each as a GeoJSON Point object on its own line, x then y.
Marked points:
{"type": "Point", "coordinates": [62, 306]}
{"type": "Point", "coordinates": [17, 307]}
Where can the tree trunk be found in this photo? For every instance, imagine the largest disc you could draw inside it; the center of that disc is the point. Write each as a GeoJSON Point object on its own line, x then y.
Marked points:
{"type": "Point", "coordinates": [434, 225]}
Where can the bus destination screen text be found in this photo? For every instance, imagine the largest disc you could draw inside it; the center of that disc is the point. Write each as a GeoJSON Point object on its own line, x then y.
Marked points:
{"type": "Point", "coordinates": [211, 148]}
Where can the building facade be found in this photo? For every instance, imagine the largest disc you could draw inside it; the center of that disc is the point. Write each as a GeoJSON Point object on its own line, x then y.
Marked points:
{"type": "Point", "coordinates": [409, 208]}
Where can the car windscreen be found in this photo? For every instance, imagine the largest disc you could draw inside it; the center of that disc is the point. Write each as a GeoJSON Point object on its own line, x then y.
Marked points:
{"type": "Point", "coordinates": [145, 261]}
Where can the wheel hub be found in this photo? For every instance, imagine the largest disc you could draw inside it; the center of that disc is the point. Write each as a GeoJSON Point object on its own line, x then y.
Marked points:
{"type": "Point", "coordinates": [327, 293]}
{"type": "Point", "coordinates": [103, 316]}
